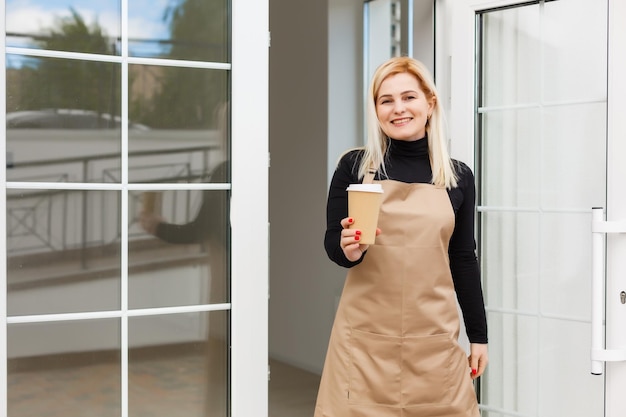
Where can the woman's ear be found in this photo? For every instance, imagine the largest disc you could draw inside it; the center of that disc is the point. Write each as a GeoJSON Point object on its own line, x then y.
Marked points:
{"type": "Point", "coordinates": [431, 104]}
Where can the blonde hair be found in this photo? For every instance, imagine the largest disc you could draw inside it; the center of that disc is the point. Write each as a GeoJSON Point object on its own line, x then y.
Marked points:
{"type": "Point", "coordinates": [376, 147]}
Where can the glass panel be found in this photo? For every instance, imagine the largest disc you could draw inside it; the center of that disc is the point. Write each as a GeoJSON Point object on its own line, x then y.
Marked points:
{"type": "Point", "coordinates": [511, 379]}
{"type": "Point", "coordinates": [70, 25]}
{"type": "Point", "coordinates": [179, 248]}
{"type": "Point", "coordinates": [511, 273]}
{"type": "Point", "coordinates": [565, 385]}
{"type": "Point", "coordinates": [62, 120]}
{"type": "Point", "coordinates": [536, 203]}
{"type": "Point", "coordinates": [511, 48]}
{"type": "Point", "coordinates": [566, 265]}
{"type": "Point", "coordinates": [180, 29]}
{"type": "Point", "coordinates": [178, 365]}
{"type": "Point", "coordinates": [510, 172]}
{"type": "Point", "coordinates": [69, 369]}
{"type": "Point", "coordinates": [388, 32]}
{"type": "Point", "coordinates": [566, 76]}
{"type": "Point", "coordinates": [186, 114]}
{"type": "Point", "coordinates": [63, 251]}
{"type": "Point", "coordinates": [574, 137]}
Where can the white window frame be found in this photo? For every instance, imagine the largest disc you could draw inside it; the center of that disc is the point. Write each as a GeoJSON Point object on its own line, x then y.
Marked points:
{"type": "Point", "coordinates": [249, 210]}
{"type": "Point", "coordinates": [250, 207]}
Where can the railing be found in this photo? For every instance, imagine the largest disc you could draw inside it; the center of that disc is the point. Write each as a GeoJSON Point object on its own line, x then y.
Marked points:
{"type": "Point", "coordinates": [41, 221]}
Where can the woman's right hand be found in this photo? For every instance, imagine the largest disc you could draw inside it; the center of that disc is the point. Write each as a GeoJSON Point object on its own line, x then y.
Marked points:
{"type": "Point", "coordinates": [349, 242]}
{"type": "Point", "coordinates": [150, 221]}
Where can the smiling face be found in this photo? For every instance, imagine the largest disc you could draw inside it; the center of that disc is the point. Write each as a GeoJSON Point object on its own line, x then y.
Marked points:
{"type": "Point", "coordinates": [402, 107]}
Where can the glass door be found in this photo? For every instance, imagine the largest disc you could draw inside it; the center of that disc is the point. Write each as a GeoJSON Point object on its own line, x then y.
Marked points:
{"type": "Point", "coordinates": [131, 189]}
{"type": "Point", "coordinates": [532, 88]}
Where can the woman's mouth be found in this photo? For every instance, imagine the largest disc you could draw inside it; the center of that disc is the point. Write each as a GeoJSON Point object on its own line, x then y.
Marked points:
{"type": "Point", "coordinates": [401, 122]}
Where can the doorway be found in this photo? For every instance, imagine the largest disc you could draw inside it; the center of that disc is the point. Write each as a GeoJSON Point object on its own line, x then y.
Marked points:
{"type": "Point", "coordinates": [540, 106]}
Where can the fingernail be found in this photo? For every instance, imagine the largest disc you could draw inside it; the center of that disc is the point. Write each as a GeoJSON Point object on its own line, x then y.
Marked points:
{"type": "Point", "coordinates": [350, 220]}
{"type": "Point", "coordinates": [358, 232]}
{"type": "Point", "coordinates": [474, 371]}
{"type": "Point", "coordinates": [357, 237]}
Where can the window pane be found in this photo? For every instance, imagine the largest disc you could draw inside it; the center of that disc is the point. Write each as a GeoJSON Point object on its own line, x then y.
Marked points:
{"type": "Point", "coordinates": [510, 382]}
{"type": "Point", "coordinates": [187, 117]}
{"type": "Point", "coordinates": [70, 25]}
{"type": "Point", "coordinates": [195, 30]}
{"type": "Point", "coordinates": [574, 136]}
{"type": "Point", "coordinates": [511, 274]}
{"type": "Point", "coordinates": [179, 248]}
{"type": "Point", "coordinates": [69, 369]}
{"type": "Point", "coordinates": [510, 167]}
{"type": "Point", "coordinates": [511, 48]}
{"type": "Point", "coordinates": [178, 365]}
{"type": "Point", "coordinates": [565, 76]}
{"type": "Point", "coordinates": [63, 251]}
{"type": "Point", "coordinates": [62, 120]}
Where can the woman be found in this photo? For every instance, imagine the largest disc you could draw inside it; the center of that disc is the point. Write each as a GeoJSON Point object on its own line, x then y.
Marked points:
{"type": "Point", "coordinates": [393, 350]}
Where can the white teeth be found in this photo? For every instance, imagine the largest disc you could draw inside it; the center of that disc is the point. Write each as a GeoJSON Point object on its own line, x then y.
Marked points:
{"type": "Point", "coordinates": [399, 121]}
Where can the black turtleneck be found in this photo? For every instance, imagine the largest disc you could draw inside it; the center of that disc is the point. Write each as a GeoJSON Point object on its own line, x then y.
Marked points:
{"type": "Point", "coordinates": [409, 162]}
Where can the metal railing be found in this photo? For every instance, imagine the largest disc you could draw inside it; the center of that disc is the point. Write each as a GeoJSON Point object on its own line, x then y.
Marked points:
{"type": "Point", "coordinates": [43, 221]}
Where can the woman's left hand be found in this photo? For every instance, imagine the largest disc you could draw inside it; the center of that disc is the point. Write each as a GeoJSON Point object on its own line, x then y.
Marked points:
{"type": "Point", "coordinates": [478, 359]}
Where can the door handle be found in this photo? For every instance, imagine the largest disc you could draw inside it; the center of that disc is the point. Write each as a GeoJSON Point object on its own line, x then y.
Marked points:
{"type": "Point", "coordinates": [599, 228]}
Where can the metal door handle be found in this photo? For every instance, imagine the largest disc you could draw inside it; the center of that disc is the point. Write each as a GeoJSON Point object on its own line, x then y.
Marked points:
{"type": "Point", "coordinates": [599, 355]}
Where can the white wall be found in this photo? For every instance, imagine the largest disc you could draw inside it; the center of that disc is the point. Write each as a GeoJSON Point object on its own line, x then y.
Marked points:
{"type": "Point", "coordinates": [316, 97]}
{"type": "Point", "coordinates": [300, 308]}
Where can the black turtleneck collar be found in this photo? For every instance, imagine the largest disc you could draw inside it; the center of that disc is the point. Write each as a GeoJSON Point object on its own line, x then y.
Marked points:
{"type": "Point", "coordinates": [403, 148]}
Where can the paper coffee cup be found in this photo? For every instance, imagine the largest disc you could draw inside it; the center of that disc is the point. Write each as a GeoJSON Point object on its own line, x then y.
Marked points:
{"type": "Point", "coordinates": [151, 202]}
{"type": "Point", "coordinates": [363, 206]}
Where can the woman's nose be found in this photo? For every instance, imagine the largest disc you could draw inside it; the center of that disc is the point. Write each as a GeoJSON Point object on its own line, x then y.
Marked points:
{"type": "Point", "coordinates": [398, 106]}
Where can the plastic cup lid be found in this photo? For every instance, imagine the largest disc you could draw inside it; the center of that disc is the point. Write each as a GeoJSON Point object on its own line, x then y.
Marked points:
{"type": "Point", "coordinates": [370, 188]}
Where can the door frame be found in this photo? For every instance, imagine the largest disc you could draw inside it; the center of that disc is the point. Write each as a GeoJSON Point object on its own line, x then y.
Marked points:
{"type": "Point", "coordinates": [3, 217]}
{"type": "Point", "coordinates": [249, 211]}
{"type": "Point", "coordinates": [250, 208]}
{"type": "Point", "coordinates": [456, 54]}
{"type": "Point", "coordinates": [616, 206]}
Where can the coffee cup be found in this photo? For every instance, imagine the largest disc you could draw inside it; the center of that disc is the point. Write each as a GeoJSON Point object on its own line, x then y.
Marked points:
{"type": "Point", "coordinates": [151, 202]}
{"type": "Point", "coordinates": [363, 207]}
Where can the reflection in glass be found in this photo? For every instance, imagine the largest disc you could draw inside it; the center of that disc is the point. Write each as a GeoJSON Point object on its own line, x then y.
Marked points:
{"type": "Point", "coordinates": [197, 30]}
{"type": "Point", "coordinates": [510, 169]}
{"type": "Point", "coordinates": [511, 49]}
{"type": "Point", "coordinates": [63, 251]}
{"type": "Point", "coordinates": [178, 252]}
{"type": "Point", "coordinates": [187, 112]}
{"type": "Point", "coordinates": [565, 42]}
{"type": "Point", "coordinates": [71, 25]}
{"type": "Point", "coordinates": [509, 382]}
{"type": "Point", "coordinates": [572, 128]}
{"type": "Point", "coordinates": [69, 369]}
{"type": "Point", "coordinates": [63, 121]}
{"type": "Point", "coordinates": [179, 363]}
{"type": "Point", "coordinates": [511, 276]}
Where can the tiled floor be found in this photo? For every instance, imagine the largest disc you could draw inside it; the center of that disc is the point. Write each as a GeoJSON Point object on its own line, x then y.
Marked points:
{"type": "Point", "coordinates": [164, 387]}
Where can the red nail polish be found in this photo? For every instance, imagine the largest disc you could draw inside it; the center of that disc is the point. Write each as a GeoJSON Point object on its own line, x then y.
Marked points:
{"type": "Point", "coordinates": [474, 371]}
{"type": "Point", "coordinates": [358, 232]}
{"type": "Point", "coordinates": [350, 220]}
{"type": "Point", "coordinates": [357, 237]}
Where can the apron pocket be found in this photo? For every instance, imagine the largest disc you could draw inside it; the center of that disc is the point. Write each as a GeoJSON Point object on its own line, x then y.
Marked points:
{"type": "Point", "coordinates": [427, 363]}
{"type": "Point", "coordinates": [374, 376]}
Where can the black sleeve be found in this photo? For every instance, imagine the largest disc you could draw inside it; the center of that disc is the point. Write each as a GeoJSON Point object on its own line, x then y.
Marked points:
{"type": "Point", "coordinates": [337, 206]}
{"type": "Point", "coordinates": [463, 261]}
{"type": "Point", "coordinates": [211, 220]}
{"type": "Point", "coordinates": [192, 232]}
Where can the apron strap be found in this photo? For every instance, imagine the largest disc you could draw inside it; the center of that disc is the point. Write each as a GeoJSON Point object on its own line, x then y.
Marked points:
{"type": "Point", "coordinates": [369, 177]}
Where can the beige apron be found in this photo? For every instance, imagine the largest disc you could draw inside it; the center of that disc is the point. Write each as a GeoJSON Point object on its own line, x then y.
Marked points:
{"type": "Point", "coordinates": [393, 349]}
